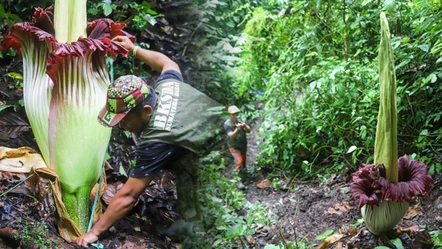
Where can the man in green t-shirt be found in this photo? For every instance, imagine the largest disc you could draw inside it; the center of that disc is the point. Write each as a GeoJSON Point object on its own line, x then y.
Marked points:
{"type": "Point", "coordinates": [237, 137]}
{"type": "Point", "coordinates": [173, 120]}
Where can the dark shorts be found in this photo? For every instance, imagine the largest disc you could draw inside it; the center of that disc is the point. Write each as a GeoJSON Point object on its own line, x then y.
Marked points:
{"type": "Point", "coordinates": [153, 158]}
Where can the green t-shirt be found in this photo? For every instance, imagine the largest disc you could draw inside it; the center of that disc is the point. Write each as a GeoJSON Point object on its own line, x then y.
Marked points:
{"type": "Point", "coordinates": [183, 116]}
{"type": "Point", "coordinates": [240, 140]}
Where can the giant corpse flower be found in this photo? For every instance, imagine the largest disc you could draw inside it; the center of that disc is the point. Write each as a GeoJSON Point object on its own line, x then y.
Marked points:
{"type": "Point", "coordinates": [385, 188]}
{"type": "Point", "coordinates": [65, 84]}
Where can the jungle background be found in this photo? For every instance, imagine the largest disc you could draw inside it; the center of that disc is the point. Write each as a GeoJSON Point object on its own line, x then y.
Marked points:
{"type": "Point", "coordinates": [305, 74]}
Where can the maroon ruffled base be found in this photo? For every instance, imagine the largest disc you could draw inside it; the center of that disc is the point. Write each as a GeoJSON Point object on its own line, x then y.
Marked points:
{"type": "Point", "coordinates": [100, 33]}
{"type": "Point", "coordinates": [370, 185]}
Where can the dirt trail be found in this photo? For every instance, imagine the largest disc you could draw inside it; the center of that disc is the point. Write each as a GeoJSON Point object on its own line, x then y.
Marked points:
{"type": "Point", "coordinates": [301, 212]}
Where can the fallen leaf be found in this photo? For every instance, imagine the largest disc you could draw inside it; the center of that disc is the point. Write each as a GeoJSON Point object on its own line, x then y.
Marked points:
{"type": "Point", "coordinates": [167, 29]}
{"type": "Point", "coordinates": [422, 239]}
{"type": "Point", "coordinates": [339, 208]}
{"type": "Point", "coordinates": [263, 184]}
{"type": "Point", "coordinates": [8, 233]}
{"type": "Point", "coordinates": [333, 211]}
{"type": "Point", "coordinates": [128, 245]}
{"type": "Point", "coordinates": [178, 246]}
{"type": "Point", "coordinates": [412, 213]}
{"type": "Point", "coordinates": [330, 241]}
{"type": "Point", "coordinates": [250, 240]}
{"type": "Point", "coordinates": [409, 230]}
{"type": "Point", "coordinates": [346, 229]}
{"type": "Point", "coordinates": [340, 245]}
{"type": "Point", "coordinates": [353, 232]}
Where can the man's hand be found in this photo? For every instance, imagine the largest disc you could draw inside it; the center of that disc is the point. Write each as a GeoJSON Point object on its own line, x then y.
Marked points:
{"type": "Point", "coordinates": [243, 125]}
{"type": "Point", "coordinates": [125, 42]}
{"type": "Point", "coordinates": [87, 238]}
{"type": "Point", "coordinates": [156, 60]}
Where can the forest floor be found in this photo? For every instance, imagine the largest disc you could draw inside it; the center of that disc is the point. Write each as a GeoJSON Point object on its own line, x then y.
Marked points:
{"type": "Point", "coordinates": [303, 210]}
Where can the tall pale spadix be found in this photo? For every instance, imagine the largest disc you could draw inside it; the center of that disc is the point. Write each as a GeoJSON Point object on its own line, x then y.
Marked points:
{"type": "Point", "coordinates": [65, 86]}
{"type": "Point", "coordinates": [70, 20]}
{"type": "Point", "coordinates": [385, 188]}
{"type": "Point", "coordinates": [385, 147]}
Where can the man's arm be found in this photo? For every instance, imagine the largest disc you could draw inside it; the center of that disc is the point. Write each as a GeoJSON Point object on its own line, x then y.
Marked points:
{"type": "Point", "coordinates": [156, 60]}
{"type": "Point", "coordinates": [120, 205]}
{"type": "Point", "coordinates": [232, 134]}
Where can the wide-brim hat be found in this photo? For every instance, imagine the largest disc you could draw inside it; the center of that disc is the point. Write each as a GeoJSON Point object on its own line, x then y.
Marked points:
{"type": "Point", "coordinates": [233, 109]}
{"type": "Point", "coordinates": [123, 94]}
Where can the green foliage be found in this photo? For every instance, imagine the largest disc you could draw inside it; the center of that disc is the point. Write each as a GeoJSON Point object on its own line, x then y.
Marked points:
{"type": "Point", "coordinates": [303, 244]}
{"type": "Point", "coordinates": [324, 235]}
{"type": "Point", "coordinates": [316, 65]}
{"type": "Point", "coordinates": [105, 7]}
{"type": "Point", "coordinates": [396, 242]}
{"type": "Point", "coordinates": [320, 126]}
{"type": "Point", "coordinates": [13, 11]}
{"type": "Point", "coordinates": [138, 17]}
{"type": "Point", "coordinates": [358, 223]}
{"type": "Point", "coordinates": [3, 106]}
{"type": "Point", "coordinates": [436, 238]}
{"type": "Point", "coordinates": [220, 25]}
{"type": "Point", "coordinates": [420, 72]}
{"type": "Point", "coordinates": [8, 19]}
{"type": "Point", "coordinates": [200, 36]}
{"type": "Point", "coordinates": [221, 202]}
{"type": "Point", "coordinates": [33, 233]}
{"type": "Point", "coordinates": [17, 78]}
{"type": "Point", "coordinates": [138, 14]}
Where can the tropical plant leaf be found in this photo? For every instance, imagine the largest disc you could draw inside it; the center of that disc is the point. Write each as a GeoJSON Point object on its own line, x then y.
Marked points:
{"type": "Point", "coordinates": [3, 107]}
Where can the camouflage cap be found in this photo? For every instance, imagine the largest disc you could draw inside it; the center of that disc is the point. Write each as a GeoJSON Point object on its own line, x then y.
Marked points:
{"type": "Point", "coordinates": [122, 95]}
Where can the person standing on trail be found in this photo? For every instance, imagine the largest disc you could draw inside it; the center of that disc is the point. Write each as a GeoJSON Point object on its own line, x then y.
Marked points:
{"type": "Point", "coordinates": [237, 137]}
{"type": "Point", "coordinates": [174, 122]}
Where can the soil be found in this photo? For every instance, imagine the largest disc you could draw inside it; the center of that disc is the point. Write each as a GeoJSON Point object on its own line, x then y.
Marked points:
{"type": "Point", "coordinates": [303, 210]}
